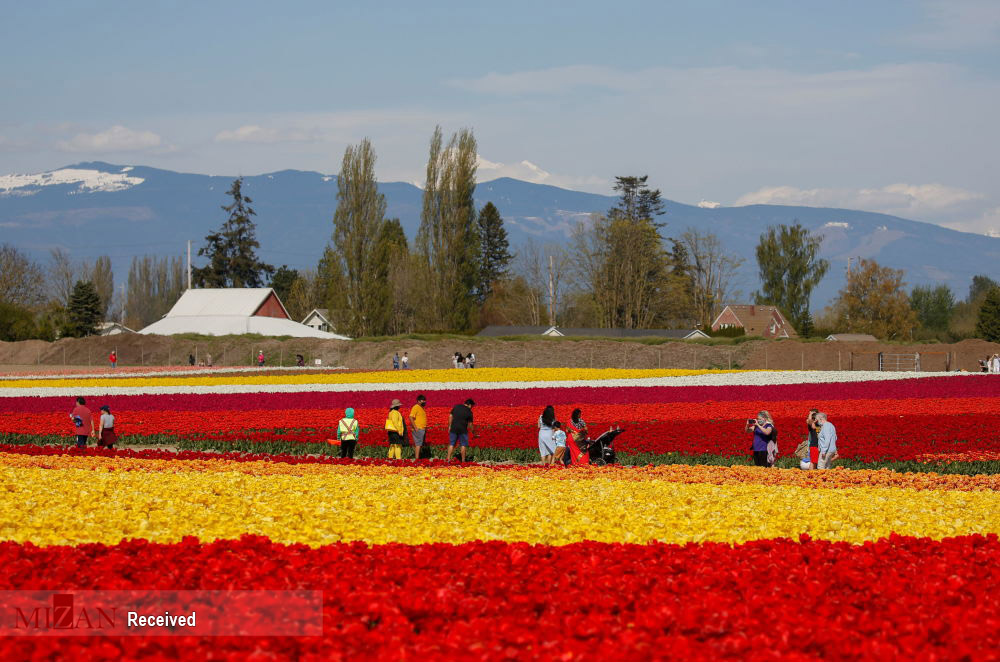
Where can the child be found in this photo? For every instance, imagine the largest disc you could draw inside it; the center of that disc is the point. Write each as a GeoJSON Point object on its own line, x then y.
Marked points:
{"type": "Point", "coordinates": [559, 437]}
{"type": "Point", "coordinates": [395, 430]}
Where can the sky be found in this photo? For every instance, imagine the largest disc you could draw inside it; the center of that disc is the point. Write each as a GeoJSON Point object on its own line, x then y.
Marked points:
{"type": "Point", "coordinates": [884, 106]}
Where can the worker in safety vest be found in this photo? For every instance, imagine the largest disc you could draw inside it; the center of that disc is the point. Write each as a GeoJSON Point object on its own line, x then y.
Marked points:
{"type": "Point", "coordinates": [348, 430]}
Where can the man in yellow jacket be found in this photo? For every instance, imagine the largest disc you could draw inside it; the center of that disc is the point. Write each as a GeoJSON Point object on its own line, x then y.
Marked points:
{"type": "Point", "coordinates": [395, 430]}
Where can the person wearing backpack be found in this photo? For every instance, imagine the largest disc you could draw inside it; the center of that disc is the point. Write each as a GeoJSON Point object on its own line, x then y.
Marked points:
{"type": "Point", "coordinates": [348, 431]}
{"type": "Point", "coordinates": [762, 428]}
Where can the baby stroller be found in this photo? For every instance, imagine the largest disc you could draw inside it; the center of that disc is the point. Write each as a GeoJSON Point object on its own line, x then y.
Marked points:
{"type": "Point", "coordinates": [601, 451]}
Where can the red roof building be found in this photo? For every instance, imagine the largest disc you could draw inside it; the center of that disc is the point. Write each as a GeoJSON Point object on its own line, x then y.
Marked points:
{"type": "Point", "coordinates": [763, 321]}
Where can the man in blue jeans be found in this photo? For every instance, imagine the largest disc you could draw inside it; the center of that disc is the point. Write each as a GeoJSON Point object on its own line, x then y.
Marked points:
{"type": "Point", "coordinates": [460, 427]}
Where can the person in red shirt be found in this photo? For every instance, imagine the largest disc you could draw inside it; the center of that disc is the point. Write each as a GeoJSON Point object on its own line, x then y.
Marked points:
{"type": "Point", "coordinates": [83, 422]}
{"type": "Point", "coordinates": [113, 357]}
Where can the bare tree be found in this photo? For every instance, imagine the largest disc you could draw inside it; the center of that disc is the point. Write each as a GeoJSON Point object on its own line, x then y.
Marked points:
{"type": "Point", "coordinates": [104, 282]}
{"type": "Point", "coordinates": [545, 270]}
{"type": "Point", "coordinates": [63, 275]}
{"type": "Point", "coordinates": [21, 280]}
{"type": "Point", "coordinates": [713, 272]}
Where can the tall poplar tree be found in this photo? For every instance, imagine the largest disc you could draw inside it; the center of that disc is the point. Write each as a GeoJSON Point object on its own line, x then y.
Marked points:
{"type": "Point", "coordinates": [789, 269]}
{"type": "Point", "coordinates": [494, 251]}
{"type": "Point", "coordinates": [448, 240]}
{"type": "Point", "coordinates": [356, 224]}
{"type": "Point", "coordinates": [104, 282]}
{"type": "Point", "coordinates": [232, 250]}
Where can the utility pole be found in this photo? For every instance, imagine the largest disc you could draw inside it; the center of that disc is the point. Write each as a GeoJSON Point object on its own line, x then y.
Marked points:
{"type": "Point", "coordinates": [189, 264]}
{"type": "Point", "coordinates": [124, 300]}
{"type": "Point", "coordinates": [552, 293]}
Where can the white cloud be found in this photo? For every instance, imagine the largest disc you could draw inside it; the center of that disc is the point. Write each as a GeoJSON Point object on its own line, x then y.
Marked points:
{"type": "Point", "coordinates": [987, 223]}
{"type": "Point", "coordinates": [914, 201]}
{"type": "Point", "coordinates": [116, 139]}
{"type": "Point", "coordinates": [957, 24]}
{"type": "Point", "coordinates": [529, 172]}
{"type": "Point", "coordinates": [252, 133]}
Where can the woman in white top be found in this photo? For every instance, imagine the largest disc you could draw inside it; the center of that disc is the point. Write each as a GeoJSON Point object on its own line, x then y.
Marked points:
{"type": "Point", "coordinates": [107, 437]}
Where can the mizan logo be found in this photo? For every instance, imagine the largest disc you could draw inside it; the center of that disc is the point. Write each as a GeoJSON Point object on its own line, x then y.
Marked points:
{"type": "Point", "coordinates": [63, 615]}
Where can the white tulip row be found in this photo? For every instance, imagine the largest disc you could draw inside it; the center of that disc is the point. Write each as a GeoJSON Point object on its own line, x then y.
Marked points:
{"type": "Point", "coordinates": [177, 372]}
{"type": "Point", "coordinates": [747, 378]}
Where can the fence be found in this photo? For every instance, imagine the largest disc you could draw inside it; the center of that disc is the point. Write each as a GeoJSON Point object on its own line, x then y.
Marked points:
{"type": "Point", "coordinates": [139, 352]}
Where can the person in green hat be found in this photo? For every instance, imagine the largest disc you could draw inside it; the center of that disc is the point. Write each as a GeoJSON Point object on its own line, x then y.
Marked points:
{"type": "Point", "coordinates": [348, 430]}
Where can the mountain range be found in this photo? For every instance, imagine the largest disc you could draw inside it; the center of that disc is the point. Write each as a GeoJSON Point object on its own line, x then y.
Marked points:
{"type": "Point", "coordinates": [96, 208]}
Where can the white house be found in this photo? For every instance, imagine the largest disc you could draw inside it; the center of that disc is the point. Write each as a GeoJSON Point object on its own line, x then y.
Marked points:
{"type": "Point", "coordinates": [233, 311]}
{"type": "Point", "coordinates": [319, 319]}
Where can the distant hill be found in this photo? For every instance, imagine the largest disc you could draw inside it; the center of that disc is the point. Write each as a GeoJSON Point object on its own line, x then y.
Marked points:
{"type": "Point", "coordinates": [99, 208]}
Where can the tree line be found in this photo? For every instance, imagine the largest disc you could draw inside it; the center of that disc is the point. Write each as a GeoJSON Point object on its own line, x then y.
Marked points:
{"type": "Point", "coordinates": [617, 269]}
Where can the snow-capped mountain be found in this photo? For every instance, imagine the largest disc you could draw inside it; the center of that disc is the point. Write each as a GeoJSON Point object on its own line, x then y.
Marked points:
{"type": "Point", "coordinates": [97, 208]}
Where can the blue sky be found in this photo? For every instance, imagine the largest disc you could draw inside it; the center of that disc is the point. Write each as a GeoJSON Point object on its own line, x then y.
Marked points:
{"type": "Point", "coordinates": [886, 106]}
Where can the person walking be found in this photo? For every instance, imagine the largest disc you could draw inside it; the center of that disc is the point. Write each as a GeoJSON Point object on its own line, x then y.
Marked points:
{"type": "Point", "coordinates": [395, 361]}
{"type": "Point", "coordinates": [454, 360]}
{"type": "Point", "coordinates": [418, 424]}
{"type": "Point", "coordinates": [348, 431]}
{"type": "Point", "coordinates": [113, 358]}
{"type": "Point", "coordinates": [995, 364]}
{"type": "Point", "coordinates": [470, 360]}
{"type": "Point", "coordinates": [191, 359]}
{"type": "Point", "coordinates": [406, 361]}
{"type": "Point", "coordinates": [762, 429]}
{"type": "Point", "coordinates": [827, 441]}
{"type": "Point", "coordinates": [260, 359]}
{"type": "Point", "coordinates": [546, 446]}
{"type": "Point", "coordinates": [395, 430]}
{"type": "Point", "coordinates": [460, 426]}
{"type": "Point", "coordinates": [107, 437]}
{"type": "Point", "coordinates": [208, 360]}
{"type": "Point", "coordinates": [83, 422]}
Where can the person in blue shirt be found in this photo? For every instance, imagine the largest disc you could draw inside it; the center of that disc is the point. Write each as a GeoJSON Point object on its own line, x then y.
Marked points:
{"type": "Point", "coordinates": [827, 442]}
{"type": "Point", "coordinates": [762, 428]}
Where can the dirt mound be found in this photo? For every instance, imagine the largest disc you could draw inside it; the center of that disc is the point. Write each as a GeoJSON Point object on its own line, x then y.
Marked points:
{"type": "Point", "coordinates": [141, 350]}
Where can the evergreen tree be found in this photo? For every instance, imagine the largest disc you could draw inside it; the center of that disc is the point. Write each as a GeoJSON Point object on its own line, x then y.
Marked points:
{"type": "Point", "coordinates": [933, 306]}
{"type": "Point", "coordinates": [789, 269]}
{"type": "Point", "coordinates": [980, 287]}
{"type": "Point", "coordinates": [637, 201]}
{"type": "Point", "coordinates": [988, 324]}
{"type": "Point", "coordinates": [448, 240]}
{"type": "Point", "coordinates": [282, 281]}
{"type": "Point", "coordinates": [16, 322]}
{"type": "Point", "coordinates": [84, 311]}
{"type": "Point", "coordinates": [232, 250]}
{"type": "Point", "coordinates": [494, 253]}
{"type": "Point", "coordinates": [356, 223]}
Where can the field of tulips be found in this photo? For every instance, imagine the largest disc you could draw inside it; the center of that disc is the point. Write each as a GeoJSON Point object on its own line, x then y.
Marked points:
{"type": "Point", "coordinates": [674, 559]}
{"type": "Point", "coordinates": [880, 417]}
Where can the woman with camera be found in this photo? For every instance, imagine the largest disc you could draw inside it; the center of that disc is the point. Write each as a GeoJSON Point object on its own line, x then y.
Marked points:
{"type": "Point", "coordinates": [763, 433]}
